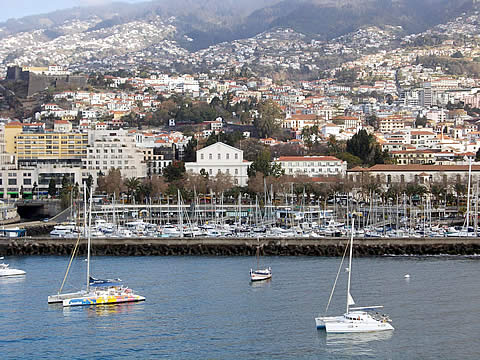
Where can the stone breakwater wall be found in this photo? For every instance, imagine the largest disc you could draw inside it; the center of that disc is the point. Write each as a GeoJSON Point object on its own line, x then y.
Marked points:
{"type": "Point", "coordinates": [240, 247]}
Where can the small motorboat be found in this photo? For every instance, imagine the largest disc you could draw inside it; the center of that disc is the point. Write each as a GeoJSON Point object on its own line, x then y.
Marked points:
{"type": "Point", "coordinates": [263, 274]}
{"type": "Point", "coordinates": [6, 271]}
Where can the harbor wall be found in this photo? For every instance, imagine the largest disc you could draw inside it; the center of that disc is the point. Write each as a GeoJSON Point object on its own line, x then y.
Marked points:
{"type": "Point", "coordinates": [240, 246]}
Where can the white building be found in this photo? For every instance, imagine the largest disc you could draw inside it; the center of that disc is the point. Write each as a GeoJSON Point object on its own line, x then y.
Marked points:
{"type": "Point", "coordinates": [109, 149]}
{"type": "Point", "coordinates": [312, 165]}
{"type": "Point", "coordinates": [220, 157]}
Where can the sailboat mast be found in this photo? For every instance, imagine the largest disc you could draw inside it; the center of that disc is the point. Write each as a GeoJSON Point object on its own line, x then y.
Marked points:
{"type": "Point", "coordinates": [84, 210]}
{"type": "Point", "coordinates": [350, 266]}
{"type": "Point", "coordinates": [468, 193]}
{"type": "Point", "coordinates": [89, 241]}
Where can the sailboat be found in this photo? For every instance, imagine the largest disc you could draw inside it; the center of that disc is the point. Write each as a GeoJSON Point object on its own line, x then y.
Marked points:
{"type": "Point", "coordinates": [260, 274]}
{"type": "Point", "coordinates": [98, 292]}
{"type": "Point", "coordinates": [355, 320]}
{"type": "Point", "coordinates": [60, 296]}
{"type": "Point", "coordinates": [101, 292]}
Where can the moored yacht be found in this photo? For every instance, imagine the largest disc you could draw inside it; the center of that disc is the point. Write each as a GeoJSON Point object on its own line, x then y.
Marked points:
{"type": "Point", "coordinates": [104, 292]}
{"type": "Point", "coordinates": [355, 320]}
{"type": "Point", "coordinates": [6, 271]}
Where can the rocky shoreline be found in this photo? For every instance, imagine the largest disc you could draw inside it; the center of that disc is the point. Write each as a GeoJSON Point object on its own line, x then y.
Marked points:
{"type": "Point", "coordinates": [240, 247]}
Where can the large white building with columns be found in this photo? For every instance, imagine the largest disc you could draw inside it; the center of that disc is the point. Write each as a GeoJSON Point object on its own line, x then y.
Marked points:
{"type": "Point", "coordinates": [220, 157]}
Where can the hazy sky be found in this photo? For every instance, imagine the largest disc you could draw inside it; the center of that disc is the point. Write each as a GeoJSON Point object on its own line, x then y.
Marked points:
{"type": "Point", "coordinates": [20, 8]}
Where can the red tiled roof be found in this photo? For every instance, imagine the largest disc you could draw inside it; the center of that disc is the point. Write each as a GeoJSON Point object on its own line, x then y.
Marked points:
{"type": "Point", "coordinates": [388, 167]}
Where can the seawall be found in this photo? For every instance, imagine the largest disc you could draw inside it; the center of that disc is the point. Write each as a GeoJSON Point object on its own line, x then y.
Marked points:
{"type": "Point", "coordinates": [240, 246]}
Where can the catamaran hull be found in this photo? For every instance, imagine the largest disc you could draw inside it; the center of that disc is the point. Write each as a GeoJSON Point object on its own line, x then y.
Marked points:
{"type": "Point", "coordinates": [58, 298]}
{"type": "Point", "coordinates": [102, 300]}
{"type": "Point", "coordinates": [320, 321]}
{"type": "Point", "coordinates": [343, 328]}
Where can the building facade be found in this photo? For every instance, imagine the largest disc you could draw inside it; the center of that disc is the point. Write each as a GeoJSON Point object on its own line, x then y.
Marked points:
{"type": "Point", "coordinates": [220, 157]}
{"type": "Point", "coordinates": [116, 149]}
{"type": "Point", "coordinates": [312, 165]}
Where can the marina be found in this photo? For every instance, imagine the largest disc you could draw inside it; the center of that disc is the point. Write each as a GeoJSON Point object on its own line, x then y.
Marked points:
{"type": "Point", "coordinates": [245, 218]}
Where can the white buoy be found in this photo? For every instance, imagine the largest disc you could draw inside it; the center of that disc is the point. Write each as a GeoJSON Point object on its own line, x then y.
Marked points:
{"type": "Point", "coordinates": [407, 276]}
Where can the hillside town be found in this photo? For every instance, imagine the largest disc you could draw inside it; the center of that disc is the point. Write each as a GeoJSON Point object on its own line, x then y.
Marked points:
{"type": "Point", "coordinates": [400, 111]}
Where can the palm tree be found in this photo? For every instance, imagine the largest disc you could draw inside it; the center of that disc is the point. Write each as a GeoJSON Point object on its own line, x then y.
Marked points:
{"type": "Point", "coordinates": [437, 190]}
{"type": "Point", "coordinates": [460, 191]}
{"type": "Point", "coordinates": [132, 185]}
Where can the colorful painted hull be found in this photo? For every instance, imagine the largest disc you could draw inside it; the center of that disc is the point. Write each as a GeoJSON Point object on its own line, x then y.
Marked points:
{"type": "Point", "coordinates": [102, 300]}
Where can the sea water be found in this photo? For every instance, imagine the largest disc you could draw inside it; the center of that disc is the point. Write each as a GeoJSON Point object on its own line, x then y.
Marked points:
{"type": "Point", "coordinates": [206, 308]}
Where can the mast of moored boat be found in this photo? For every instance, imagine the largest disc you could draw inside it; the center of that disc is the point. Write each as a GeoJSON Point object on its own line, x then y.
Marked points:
{"type": "Point", "coordinates": [89, 240]}
{"type": "Point", "coordinates": [85, 210]}
{"type": "Point", "coordinates": [349, 297]}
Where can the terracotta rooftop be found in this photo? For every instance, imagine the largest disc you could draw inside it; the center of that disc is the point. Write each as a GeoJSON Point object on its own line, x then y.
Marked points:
{"type": "Point", "coordinates": [423, 168]}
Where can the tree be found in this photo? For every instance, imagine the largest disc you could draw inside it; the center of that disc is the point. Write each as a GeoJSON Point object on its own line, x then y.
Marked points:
{"type": "Point", "coordinates": [420, 121]}
{"type": "Point", "coordinates": [220, 183]}
{"type": "Point", "coordinates": [174, 171]}
{"type": "Point", "coordinates": [195, 182]}
{"type": "Point", "coordinates": [256, 183]}
{"type": "Point", "coordinates": [158, 184]}
{"type": "Point", "coordinates": [132, 184]}
{"type": "Point", "coordinates": [269, 118]}
{"type": "Point", "coordinates": [365, 147]}
{"type": "Point", "coordinates": [457, 55]}
{"type": "Point", "coordinates": [263, 164]}
{"type": "Point", "coordinates": [310, 135]}
{"type": "Point", "coordinates": [68, 191]}
{"type": "Point", "coordinates": [89, 183]}
{"type": "Point", "coordinates": [372, 120]}
{"type": "Point", "coordinates": [112, 183]}
{"type": "Point", "coordinates": [190, 154]}
{"type": "Point", "coordinates": [52, 188]}
{"type": "Point", "coordinates": [251, 147]}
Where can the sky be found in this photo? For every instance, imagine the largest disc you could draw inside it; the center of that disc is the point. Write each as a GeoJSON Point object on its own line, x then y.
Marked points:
{"type": "Point", "coordinates": [21, 8]}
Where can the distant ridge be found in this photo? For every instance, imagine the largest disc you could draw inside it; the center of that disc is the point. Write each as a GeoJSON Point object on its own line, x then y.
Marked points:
{"type": "Point", "coordinates": [208, 22]}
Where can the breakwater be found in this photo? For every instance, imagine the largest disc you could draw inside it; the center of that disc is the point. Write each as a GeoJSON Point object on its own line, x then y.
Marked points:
{"type": "Point", "coordinates": [240, 246]}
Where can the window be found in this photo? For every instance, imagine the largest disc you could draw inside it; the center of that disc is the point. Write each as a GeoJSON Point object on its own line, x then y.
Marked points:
{"type": "Point", "coordinates": [236, 156]}
{"type": "Point", "coordinates": [210, 157]}
{"type": "Point", "coordinates": [12, 181]}
{"type": "Point", "coordinates": [227, 156]}
{"type": "Point", "coordinates": [219, 156]}
{"type": "Point", "coordinates": [236, 171]}
{"type": "Point", "coordinates": [201, 156]}
{"type": "Point", "coordinates": [210, 170]}
{"type": "Point", "coordinates": [27, 181]}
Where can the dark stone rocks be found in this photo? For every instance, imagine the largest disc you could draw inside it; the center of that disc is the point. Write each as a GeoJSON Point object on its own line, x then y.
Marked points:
{"type": "Point", "coordinates": [270, 248]}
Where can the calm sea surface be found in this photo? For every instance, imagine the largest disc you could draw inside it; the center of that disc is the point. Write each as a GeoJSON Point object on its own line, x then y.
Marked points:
{"type": "Point", "coordinates": [206, 308]}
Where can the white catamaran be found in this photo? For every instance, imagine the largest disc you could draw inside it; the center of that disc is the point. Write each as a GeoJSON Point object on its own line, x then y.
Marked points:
{"type": "Point", "coordinates": [98, 292]}
{"type": "Point", "coordinates": [355, 320]}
